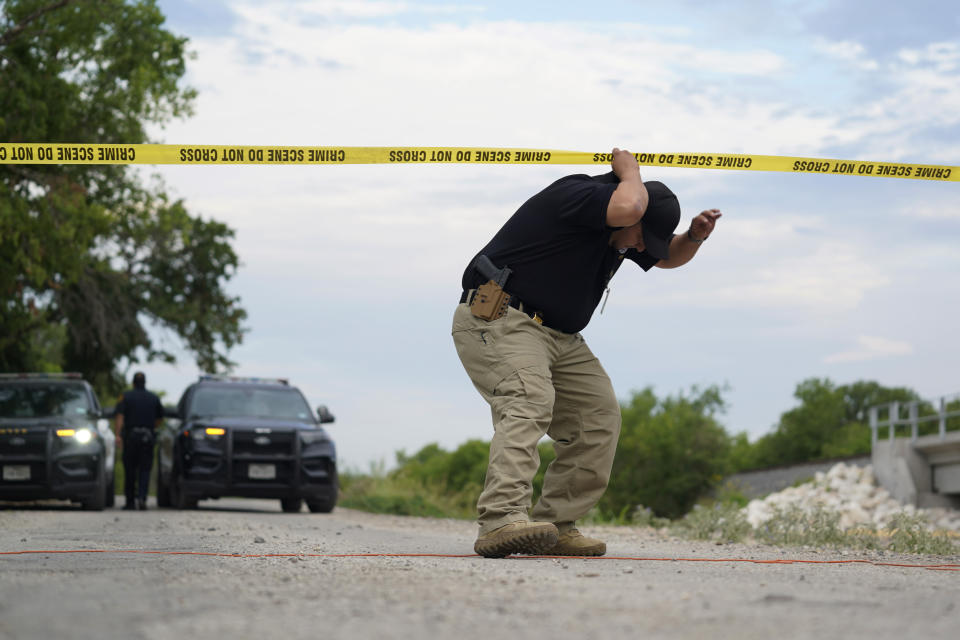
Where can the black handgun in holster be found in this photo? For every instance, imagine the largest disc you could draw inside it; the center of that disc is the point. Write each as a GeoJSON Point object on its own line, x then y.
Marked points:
{"type": "Point", "coordinates": [491, 301]}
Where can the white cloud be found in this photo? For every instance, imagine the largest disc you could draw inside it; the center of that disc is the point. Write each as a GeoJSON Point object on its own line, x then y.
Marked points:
{"type": "Point", "coordinates": [846, 51]}
{"type": "Point", "coordinates": [773, 263]}
{"type": "Point", "coordinates": [344, 237]}
{"type": "Point", "coordinates": [925, 95]}
{"type": "Point", "coordinates": [487, 83]}
{"type": "Point", "coordinates": [871, 348]}
{"type": "Point", "coordinates": [944, 57]}
{"type": "Point", "coordinates": [946, 209]}
{"type": "Point", "coordinates": [827, 278]}
{"type": "Point", "coordinates": [299, 10]}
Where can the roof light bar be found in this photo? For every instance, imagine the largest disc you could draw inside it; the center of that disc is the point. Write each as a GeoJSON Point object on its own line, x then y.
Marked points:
{"type": "Point", "coordinates": [56, 376]}
{"type": "Point", "coordinates": [246, 379]}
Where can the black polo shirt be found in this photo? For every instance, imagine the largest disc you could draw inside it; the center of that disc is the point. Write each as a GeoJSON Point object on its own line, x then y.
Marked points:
{"type": "Point", "coordinates": [558, 246]}
{"type": "Point", "coordinates": [139, 408]}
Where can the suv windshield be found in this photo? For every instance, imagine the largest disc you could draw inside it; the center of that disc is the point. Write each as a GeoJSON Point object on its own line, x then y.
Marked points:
{"type": "Point", "coordinates": [254, 402]}
{"type": "Point", "coordinates": [42, 400]}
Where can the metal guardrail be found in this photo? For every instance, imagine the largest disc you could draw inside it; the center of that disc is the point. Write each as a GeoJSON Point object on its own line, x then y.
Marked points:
{"type": "Point", "coordinates": [943, 409]}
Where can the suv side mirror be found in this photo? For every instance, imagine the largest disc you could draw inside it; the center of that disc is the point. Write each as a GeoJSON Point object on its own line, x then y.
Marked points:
{"type": "Point", "coordinates": [170, 412]}
{"type": "Point", "coordinates": [107, 413]}
{"type": "Point", "coordinates": [324, 414]}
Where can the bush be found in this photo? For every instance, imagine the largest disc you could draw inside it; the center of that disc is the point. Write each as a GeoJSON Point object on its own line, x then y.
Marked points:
{"type": "Point", "coordinates": [724, 522]}
{"type": "Point", "coordinates": [380, 492]}
{"type": "Point", "coordinates": [671, 452]}
{"type": "Point", "coordinates": [830, 422]}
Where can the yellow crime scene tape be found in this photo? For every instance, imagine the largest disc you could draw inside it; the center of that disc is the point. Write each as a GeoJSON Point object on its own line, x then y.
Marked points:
{"type": "Point", "coordinates": [182, 154]}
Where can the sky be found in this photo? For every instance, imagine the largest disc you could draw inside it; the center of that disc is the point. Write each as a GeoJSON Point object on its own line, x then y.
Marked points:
{"type": "Point", "coordinates": [351, 274]}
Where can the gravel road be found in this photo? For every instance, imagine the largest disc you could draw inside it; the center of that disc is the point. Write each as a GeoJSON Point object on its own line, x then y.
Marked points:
{"type": "Point", "coordinates": [156, 597]}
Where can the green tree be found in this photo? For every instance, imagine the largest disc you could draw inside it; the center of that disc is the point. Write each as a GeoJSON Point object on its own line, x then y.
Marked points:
{"type": "Point", "coordinates": [829, 422]}
{"type": "Point", "coordinates": [90, 256]}
{"type": "Point", "coordinates": [671, 451]}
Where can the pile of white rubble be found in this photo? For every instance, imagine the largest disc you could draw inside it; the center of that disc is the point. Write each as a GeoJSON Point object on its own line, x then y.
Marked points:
{"type": "Point", "coordinates": [852, 492]}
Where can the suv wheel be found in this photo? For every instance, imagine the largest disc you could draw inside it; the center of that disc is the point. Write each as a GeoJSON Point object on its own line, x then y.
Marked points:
{"type": "Point", "coordinates": [111, 496]}
{"type": "Point", "coordinates": [163, 489]}
{"type": "Point", "coordinates": [97, 500]}
{"type": "Point", "coordinates": [178, 500]}
{"type": "Point", "coordinates": [291, 505]}
{"type": "Point", "coordinates": [320, 506]}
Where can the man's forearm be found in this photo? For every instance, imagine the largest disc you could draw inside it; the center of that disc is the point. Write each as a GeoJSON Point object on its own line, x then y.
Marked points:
{"type": "Point", "coordinates": [684, 246]}
{"type": "Point", "coordinates": [629, 200]}
{"type": "Point", "coordinates": [682, 250]}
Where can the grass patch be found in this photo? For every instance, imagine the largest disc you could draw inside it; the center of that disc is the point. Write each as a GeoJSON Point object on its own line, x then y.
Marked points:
{"type": "Point", "coordinates": [723, 522]}
{"type": "Point", "coordinates": [820, 529]}
{"type": "Point", "coordinates": [379, 492]}
{"type": "Point", "coordinates": [910, 534]}
{"type": "Point", "coordinates": [795, 527]}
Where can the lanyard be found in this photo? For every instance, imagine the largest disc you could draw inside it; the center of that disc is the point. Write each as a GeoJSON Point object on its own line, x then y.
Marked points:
{"type": "Point", "coordinates": [613, 270]}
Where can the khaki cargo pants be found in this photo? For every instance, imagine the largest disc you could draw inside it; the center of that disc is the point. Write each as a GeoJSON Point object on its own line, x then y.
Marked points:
{"type": "Point", "coordinates": [539, 381]}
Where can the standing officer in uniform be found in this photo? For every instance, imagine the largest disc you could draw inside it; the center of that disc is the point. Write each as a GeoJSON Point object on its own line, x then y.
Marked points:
{"type": "Point", "coordinates": [138, 414]}
{"type": "Point", "coordinates": [526, 296]}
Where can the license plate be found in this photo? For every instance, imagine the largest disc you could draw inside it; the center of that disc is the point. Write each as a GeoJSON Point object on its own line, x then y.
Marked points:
{"type": "Point", "coordinates": [262, 471]}
{"type": "Point", "coordinates": [16, 472]}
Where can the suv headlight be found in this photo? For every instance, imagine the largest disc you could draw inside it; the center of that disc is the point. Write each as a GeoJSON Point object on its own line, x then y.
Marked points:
{"type": "Point", "coordinates": [313, 437]}
{"type": "Point", "coordinates": [207, 433]}
{"type": "Point", "coordinates": [82, 436]}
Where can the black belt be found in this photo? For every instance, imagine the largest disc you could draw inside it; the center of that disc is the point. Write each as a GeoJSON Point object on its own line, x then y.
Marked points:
{"type": "Point", "coordinates": [515, 302]}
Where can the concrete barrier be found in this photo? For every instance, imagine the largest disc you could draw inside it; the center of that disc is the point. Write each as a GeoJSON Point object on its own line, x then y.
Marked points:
{"type": "Point", "coordinates": [922, 470]}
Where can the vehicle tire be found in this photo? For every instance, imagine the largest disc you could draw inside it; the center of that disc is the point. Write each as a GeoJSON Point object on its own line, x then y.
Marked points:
{"type": "Point", "coordinates": [175, 490]}
{"type": "Point", "coordinates": [163, 489]}
{"type": "Point", "coordinates": [320, 506]}
{"type": "Point", "coordinates": [111, 496]}
{"type": "Point", "coordinates": [291, 505]}
{"type": "Point", "coordinates": [97, 500]}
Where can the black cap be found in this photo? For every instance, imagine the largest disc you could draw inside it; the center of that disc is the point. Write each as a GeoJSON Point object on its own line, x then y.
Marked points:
{"type": "Point", "coordinates": [660, 220]}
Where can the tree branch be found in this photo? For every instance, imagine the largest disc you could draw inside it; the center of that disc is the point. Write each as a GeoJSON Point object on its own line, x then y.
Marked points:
{"type": "Point", "coordinates": [8, 36]}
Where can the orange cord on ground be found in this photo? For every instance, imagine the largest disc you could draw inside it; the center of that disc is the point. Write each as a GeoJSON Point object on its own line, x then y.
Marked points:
{"type": "Point", "coordinates": [930, 567]}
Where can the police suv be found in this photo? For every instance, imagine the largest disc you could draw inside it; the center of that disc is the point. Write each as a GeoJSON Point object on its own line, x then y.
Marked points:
{"type": "Point", "coordinates": [55, 440]}
{"type": "Point", "coordinates": [246, 437]}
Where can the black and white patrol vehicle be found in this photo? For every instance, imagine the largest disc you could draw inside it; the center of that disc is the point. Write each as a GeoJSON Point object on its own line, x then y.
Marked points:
{"type": "Point", "coordinates": [55, 440]}
{"type": "Point", "coordinates": [246, 437]}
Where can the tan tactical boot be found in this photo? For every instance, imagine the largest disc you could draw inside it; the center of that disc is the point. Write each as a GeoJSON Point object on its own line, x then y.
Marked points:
{"type": "Point", "coordinates": [574, 543]}
{"type": "Point", "coordinates": [517, 537]}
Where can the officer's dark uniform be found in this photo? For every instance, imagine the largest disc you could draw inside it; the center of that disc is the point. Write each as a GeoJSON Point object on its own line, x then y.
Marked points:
{"type": "Point", "coordinates": [140, 410]}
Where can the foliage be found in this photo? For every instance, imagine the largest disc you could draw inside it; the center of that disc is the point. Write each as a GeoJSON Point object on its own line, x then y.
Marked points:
{"type": "Point", "coordinates": [642, 517]}
{"type": "Point", "coordinates": [820, 528]}
{"type": "Point", "coordinates": [431, 482]}
{"type": "Point", "coordinates": [731, 493]}
{"type": "Point", "coordinates": [723, 522]}
{"type": "Point", "coordinates": [90, 257]}
{"type": "Point", "coordinates": [795, 527]}
{"type": "Point", "coordinates": [830, 422]}
{"type": "Point", "coordinates": [911, 534]}
{"type": "Point", "coordinates": [671, 451]}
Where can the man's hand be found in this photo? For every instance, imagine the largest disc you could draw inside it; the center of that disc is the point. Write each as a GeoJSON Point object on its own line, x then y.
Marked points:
{"type": "Point", "coordinates": [624, 164]}
{"type": "Point", "coordinates": [684, 246]}
{"type": "Point", "coordinates": [702, 226]}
